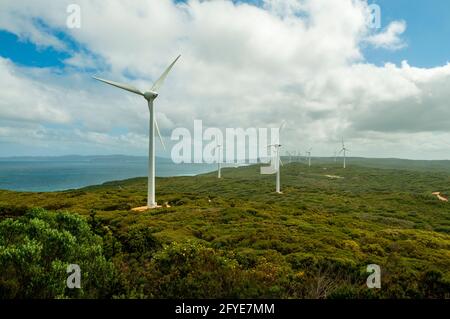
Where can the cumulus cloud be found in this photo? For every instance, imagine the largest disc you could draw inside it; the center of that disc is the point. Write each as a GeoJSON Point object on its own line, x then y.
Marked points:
{"type": "Point", "coordinates": [241, 66]}
{"type": "Point", "coordinates": [26, 99]}
{"type": "Point", "coordinates": [44, 107]}
{"type": "Point", "coordinates": [390, 38]}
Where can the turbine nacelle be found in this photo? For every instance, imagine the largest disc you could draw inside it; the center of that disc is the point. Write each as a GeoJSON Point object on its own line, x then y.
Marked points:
{"type": "Point", "coordinates": [150, 95]}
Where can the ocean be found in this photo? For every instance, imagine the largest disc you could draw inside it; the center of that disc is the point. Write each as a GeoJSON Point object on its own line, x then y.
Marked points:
{"type": "Point", "coordinates": [45, 174]}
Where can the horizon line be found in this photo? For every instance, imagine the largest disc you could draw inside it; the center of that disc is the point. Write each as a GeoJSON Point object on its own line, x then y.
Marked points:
{"type": "Point", "coordinates": [164, 157]}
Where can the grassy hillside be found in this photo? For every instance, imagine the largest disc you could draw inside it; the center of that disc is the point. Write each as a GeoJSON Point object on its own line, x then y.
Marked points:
{"type": "Point", "coordinates": [235, 237]}
{"type": "Point", "coordinates": [395, 163]}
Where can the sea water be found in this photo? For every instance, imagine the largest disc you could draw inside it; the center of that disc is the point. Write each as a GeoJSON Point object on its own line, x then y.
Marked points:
{"type": "Point", "coordinates": [69, 172]}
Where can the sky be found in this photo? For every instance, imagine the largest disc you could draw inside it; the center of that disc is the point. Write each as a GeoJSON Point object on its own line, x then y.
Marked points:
{"type": "Point", "coordinates": [316, 64]}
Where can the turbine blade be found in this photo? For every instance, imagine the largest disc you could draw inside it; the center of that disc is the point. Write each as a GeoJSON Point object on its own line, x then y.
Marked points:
{"type": "Point", "coordinates": [283, 124]}
{"type": "Point", "coordinates": [159, 134]}
{"type": "Point", "coordinates": [120, 85]}
{"type": "Point", "coordinates": [281, 162]}
{"type": "Point", "coordinates": [163, 76]}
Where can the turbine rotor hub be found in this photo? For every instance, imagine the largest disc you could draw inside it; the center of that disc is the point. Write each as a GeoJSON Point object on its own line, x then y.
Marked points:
{"type": "Point", "coordinates": [150, 95]}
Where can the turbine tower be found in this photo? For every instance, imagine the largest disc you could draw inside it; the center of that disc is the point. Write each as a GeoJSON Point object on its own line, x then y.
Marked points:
{"type": "Point", "coordinates": [275, 162]}
{"type": "Point", "coordinates": [150, 96]}
{"type": "Point", "coordinates": [277, 165]}
{"type": "Point", "coordinates": [344, 150]}
{"type": "Point", "coordinates": [308, 153]}
{"type": "Point", "coordinates": [290, 156]}
{"type": "Point", "coordinates": [219, 159]}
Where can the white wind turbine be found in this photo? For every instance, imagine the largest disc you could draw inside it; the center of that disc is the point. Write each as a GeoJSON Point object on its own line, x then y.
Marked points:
{"type": "Point", "coordinates": [344, 150]}
{"type": "Point", "coordinates": [275, 162]}
{"type": "Point", "coordinates": [150, 96]}
{"type": "Point", "coordinates": [299, 156]}
{"type": "Point", "coordinates": [290, 156]}
{"type": "Point", "coordinates": [219, 159]}
{"type": "Point", "coordinates": [308, 153]}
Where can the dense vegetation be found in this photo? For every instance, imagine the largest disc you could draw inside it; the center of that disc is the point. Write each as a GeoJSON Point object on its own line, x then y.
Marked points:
{"type": "Point", "coordinates": [235, 237]}
{"type": "Point", "coordinates": [35, 250]}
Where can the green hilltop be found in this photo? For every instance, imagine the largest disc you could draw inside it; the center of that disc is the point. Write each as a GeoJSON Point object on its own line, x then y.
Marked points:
{"type": "Point", "coordinates": [236, 237]}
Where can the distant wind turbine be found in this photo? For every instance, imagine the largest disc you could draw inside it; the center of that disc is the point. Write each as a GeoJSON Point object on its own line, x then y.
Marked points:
{"type": "Point", "coordinates": [344, 150]}
{"type": "Point", "coordinates": [150, 96]}
{"type": "Point", "coordinates": [275, 162]}
{"type": "Point", "coordinates": [308, 153]}
{"type": "Point", "coordinates": [290, 156]}
{"type": "Point", "coordinates": [278, 162]}
{"type": "Point", "coordinates": [299, 156]}
{"type": "Point", "coordinates": [219, 159]}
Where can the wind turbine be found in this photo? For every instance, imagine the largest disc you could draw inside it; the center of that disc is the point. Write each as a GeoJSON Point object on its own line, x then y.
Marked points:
{"type": "Point", "coordinates": [275, 162]}
{"type": "Point", "coordinates": [290, 156]}
{"type": "Point", "coordinates": [299, 156]}
{"type": "Point", "coordinates": [219, 159]}
{"type": "Point", "coordinates": [308, 153]}
{"type": "Point", "coordinates": [344, 150]}
{"type": "Point", "coordinates": [277, 165]}
{"type": "Point", "coordinates": [150, 96]}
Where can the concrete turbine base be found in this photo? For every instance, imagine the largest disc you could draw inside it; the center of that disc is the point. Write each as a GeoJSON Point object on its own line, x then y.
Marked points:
{"type": "Point", "coordinates": [145, 208]}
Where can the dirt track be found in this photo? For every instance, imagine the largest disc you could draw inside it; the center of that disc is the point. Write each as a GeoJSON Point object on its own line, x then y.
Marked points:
{"type": "Point", "coordinates": [440, 197]}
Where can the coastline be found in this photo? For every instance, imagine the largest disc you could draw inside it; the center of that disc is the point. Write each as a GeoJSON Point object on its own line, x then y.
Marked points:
{"type": "Point", "coordinates": [58, 174]}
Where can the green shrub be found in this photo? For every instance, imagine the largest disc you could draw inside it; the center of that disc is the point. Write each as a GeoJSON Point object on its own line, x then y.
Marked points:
{"type": "Point", "coordinates": [433, 285]}
{"type": "Point", "coordinates": [190, 270]}
{"type": "Point", "coordinates": [139, 240]}
{"type": "Point", "coordinates": [12, 211]}
{"type": "Point", "coordinates": [36, 249]}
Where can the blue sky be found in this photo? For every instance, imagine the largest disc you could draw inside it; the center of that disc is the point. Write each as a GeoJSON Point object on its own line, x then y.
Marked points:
{"type": "Point", "coordinates": [270, 43]}
{"type": "Point", "coordinates": [27, 53]}
{"type": "Point", "coordinates": [427, 33]}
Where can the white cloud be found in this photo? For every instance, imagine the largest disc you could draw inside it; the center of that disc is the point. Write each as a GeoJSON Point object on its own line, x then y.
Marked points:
{"type": "Point", "coordinates": [390, 38]}
{"type": "Point", "coordinates": [285, 8]}
{"type": "Point", "coordinates": [25, 99]}
{"type": "Point", "coordinates": [241, 66]}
